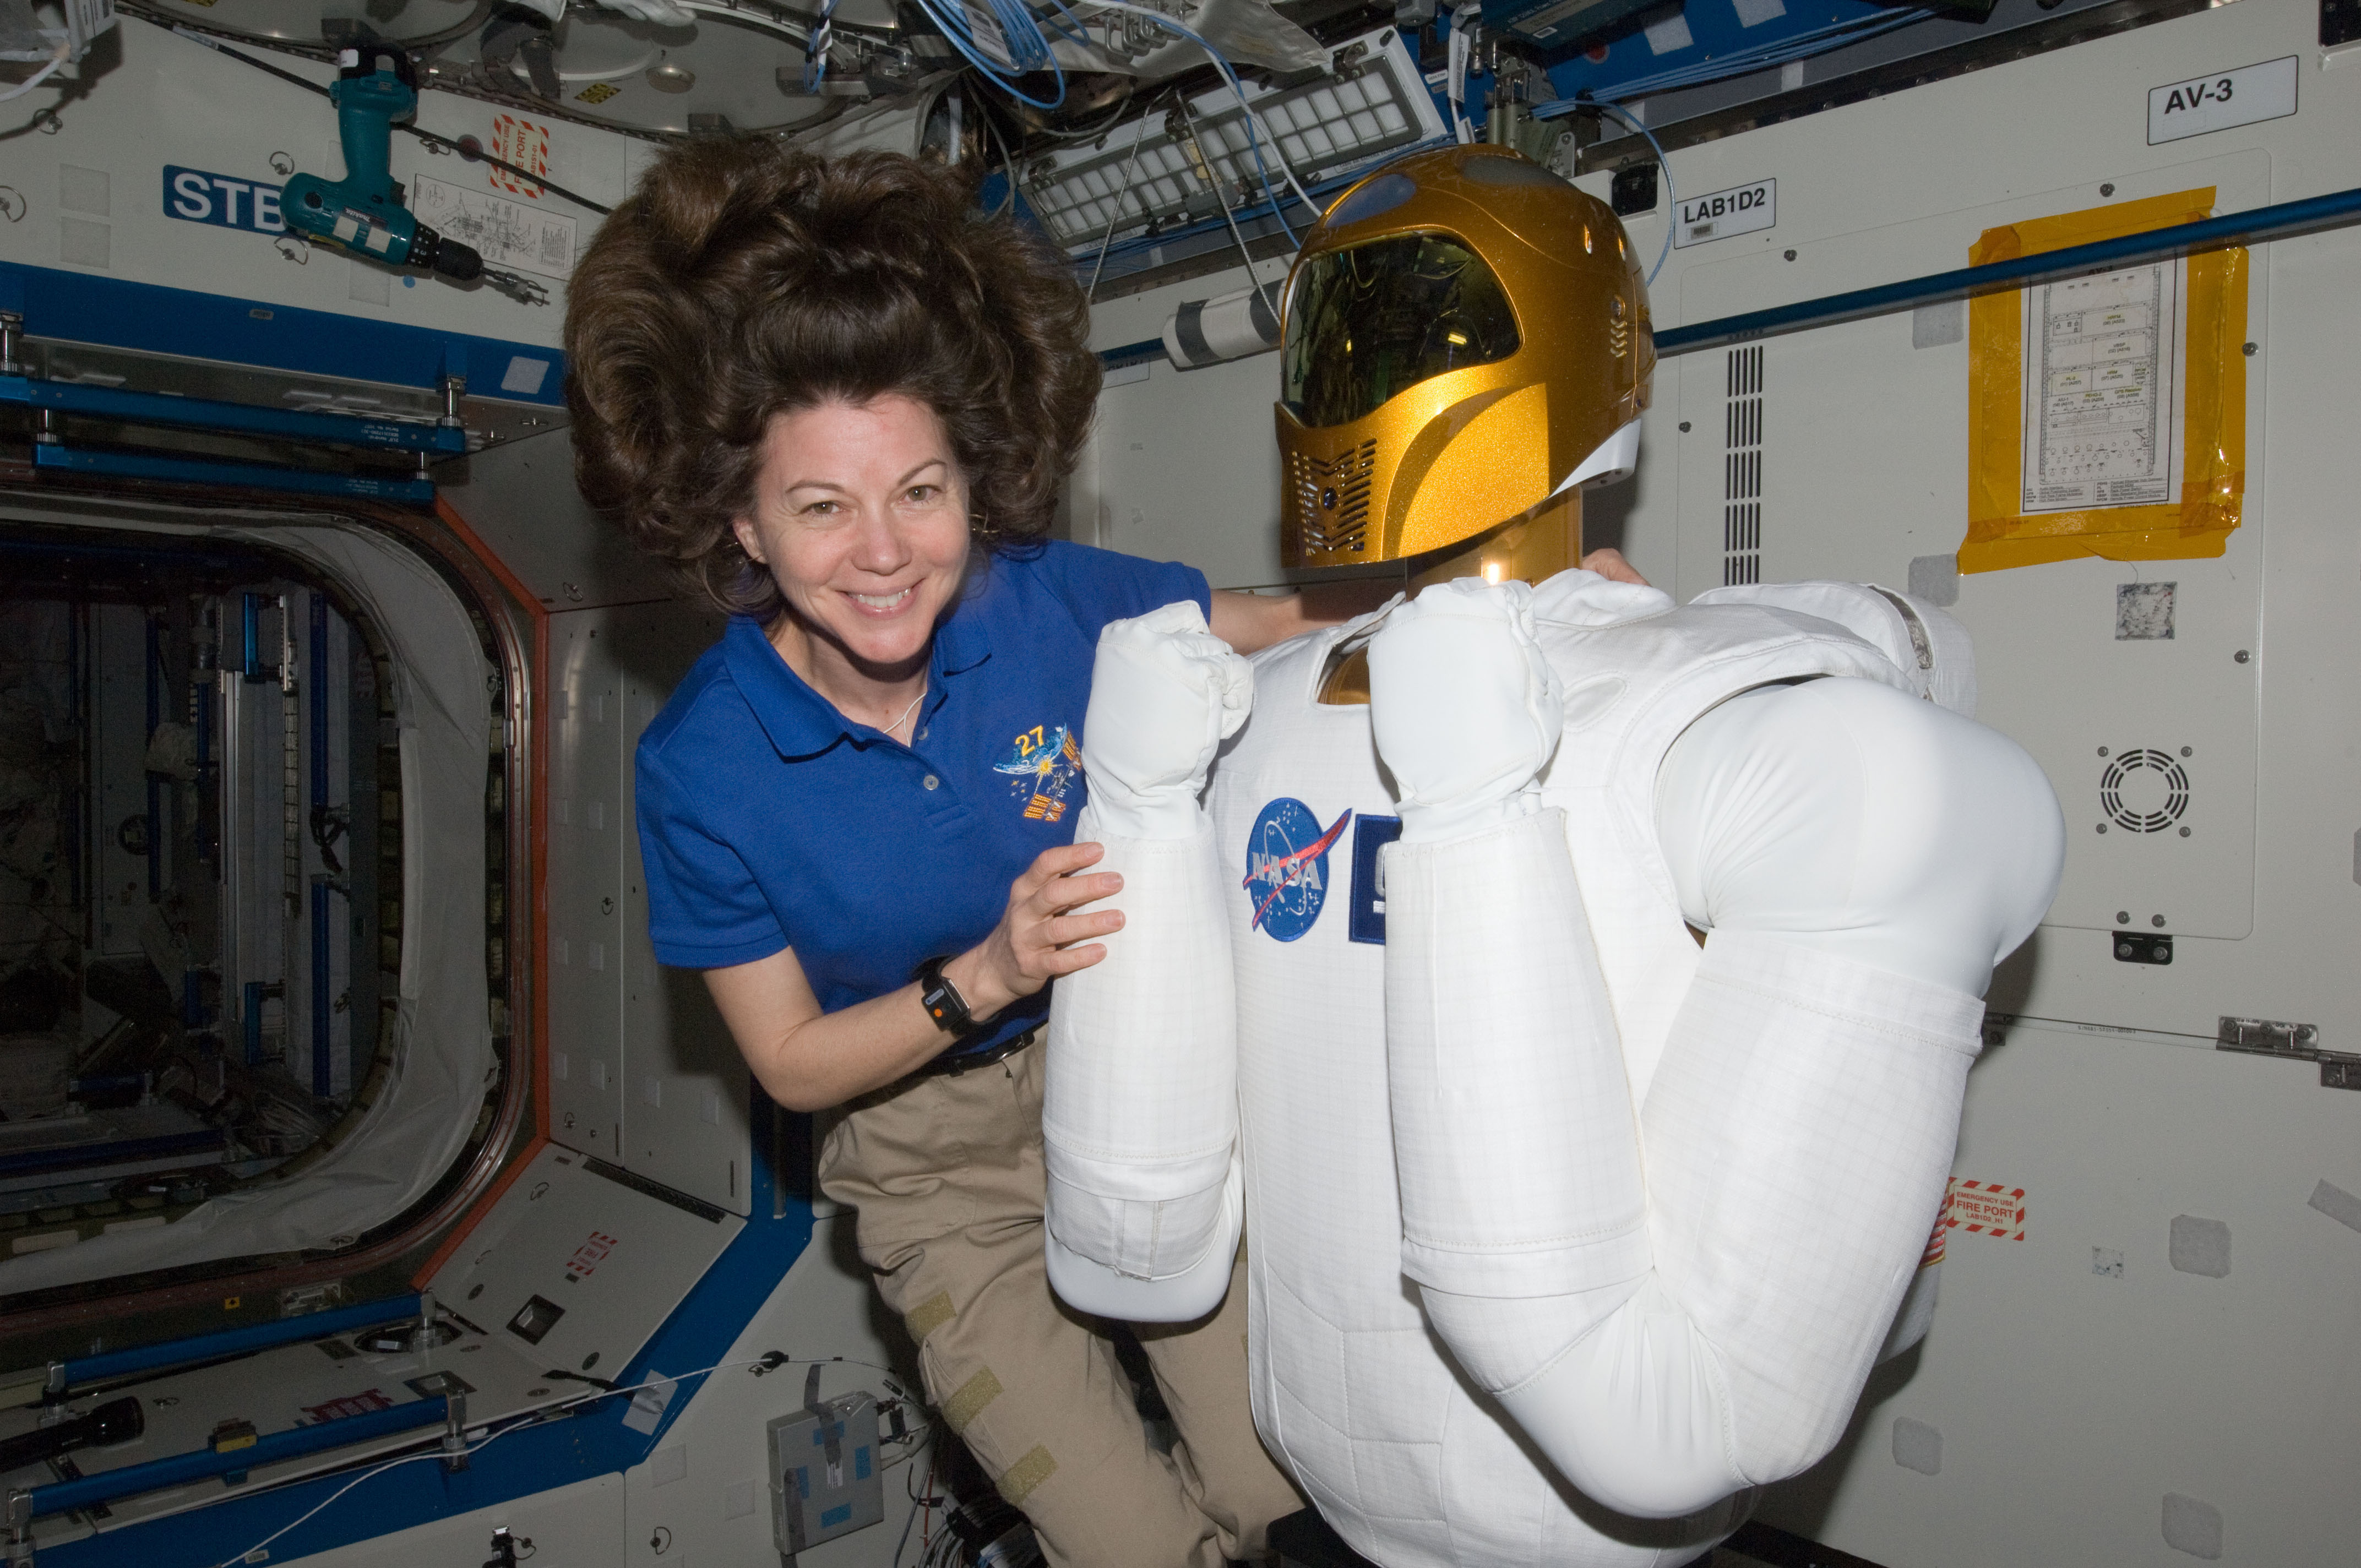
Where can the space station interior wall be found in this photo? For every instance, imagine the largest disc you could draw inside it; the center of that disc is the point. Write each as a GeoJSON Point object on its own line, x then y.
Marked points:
{"type": "Point", "coordinates": [642, 1072]}
{"type": "Point", "coordinates": [1183, 464]}
{"type": "Point", "coordinates": [642, 1069]}
{"type": "Point", "coordinates": [439, 1048]}
{"type": "Point", "coordinates": [2166, 1226]}
{"type": "Point", "coordinates": [97, 190]}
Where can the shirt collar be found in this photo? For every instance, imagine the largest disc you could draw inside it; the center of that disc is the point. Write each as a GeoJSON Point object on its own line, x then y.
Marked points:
{"type": "Point", "coordinates": [964, 640]}
{"type": "Point", "coordinates": [799, 721]}
{"type": "Point", "coordinates": [802, 723]}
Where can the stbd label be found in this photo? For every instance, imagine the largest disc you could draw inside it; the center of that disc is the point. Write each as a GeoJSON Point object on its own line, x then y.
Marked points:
{"type": "Point", "coordinates": [2227, 98]}
{"type": "Point", "coordinates": [1742, 209]}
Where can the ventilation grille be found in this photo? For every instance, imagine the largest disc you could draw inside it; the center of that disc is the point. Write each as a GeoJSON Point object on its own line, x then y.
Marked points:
{"type": "Point", "coordinates": [1333, 499]}
{"type": "Point", "coordinates": [2157, 802]}
{"type": "Point", "coordinates": [1741, 468]}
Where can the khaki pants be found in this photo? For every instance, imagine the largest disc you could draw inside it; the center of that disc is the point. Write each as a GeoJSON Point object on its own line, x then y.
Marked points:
{"type": "Point", "coordinates": [946, 1174]}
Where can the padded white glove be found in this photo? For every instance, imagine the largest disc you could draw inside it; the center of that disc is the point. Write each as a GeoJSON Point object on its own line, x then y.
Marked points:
{"type": "Point", "coordinates": [1164, 694]}
{"type": "Point", "coordinates": [1465, 708]}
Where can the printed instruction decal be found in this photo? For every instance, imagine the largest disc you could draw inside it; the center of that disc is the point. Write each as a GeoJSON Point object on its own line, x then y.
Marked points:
{"type": "Point", "coordinates": [2106, 414]}
{"type": "Point", "coordinates": [2102, 375]}
{"type": "Point", "coordinates": [504, 233]}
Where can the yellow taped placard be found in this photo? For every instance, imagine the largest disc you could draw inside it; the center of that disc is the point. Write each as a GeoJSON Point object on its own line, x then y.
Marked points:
{"type": "Point", "coordinates": [2106, 415]}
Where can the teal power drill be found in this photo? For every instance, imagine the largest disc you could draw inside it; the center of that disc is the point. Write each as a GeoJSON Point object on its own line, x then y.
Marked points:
{"type": "Point", "coordinates": [376, 88]}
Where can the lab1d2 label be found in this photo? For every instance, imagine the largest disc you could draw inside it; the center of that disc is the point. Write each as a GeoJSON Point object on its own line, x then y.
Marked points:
{"type": "Point", "coordinates": [2227, 98]}
{"type": "Point", "coordinates": [1742, 209]}
{"type": "Point", "coordinates": [196, 196]}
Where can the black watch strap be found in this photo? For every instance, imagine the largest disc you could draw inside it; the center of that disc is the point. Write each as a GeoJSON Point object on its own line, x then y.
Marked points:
{"type": "Point", "coordinates": [942, 1001]}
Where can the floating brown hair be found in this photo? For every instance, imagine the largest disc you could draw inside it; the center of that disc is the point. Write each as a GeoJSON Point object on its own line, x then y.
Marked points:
{"type": "Point", "coordinates": [745, 277]}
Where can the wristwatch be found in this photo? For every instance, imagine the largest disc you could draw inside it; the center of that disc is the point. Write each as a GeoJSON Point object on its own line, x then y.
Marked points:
{"type": "Point", "coordinates": [942, 1001]}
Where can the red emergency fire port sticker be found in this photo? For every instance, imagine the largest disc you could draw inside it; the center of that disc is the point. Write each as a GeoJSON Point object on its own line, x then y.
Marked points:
{"type": "Point", "coordinates": [1985, 1209]}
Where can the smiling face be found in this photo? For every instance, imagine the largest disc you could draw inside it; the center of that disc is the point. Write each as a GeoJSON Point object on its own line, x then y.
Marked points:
{"type": "Point", "coordinates": [860, 512]}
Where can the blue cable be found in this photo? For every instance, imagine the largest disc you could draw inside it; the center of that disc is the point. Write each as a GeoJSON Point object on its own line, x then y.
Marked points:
{"type": "Point", "coordinates": [1028, 50]}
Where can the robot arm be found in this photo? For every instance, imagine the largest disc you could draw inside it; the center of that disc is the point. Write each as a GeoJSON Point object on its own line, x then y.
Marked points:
{"type": "Point", "coordinates": [1139, 1123]}
{"type": "Point", "coordinates": [1681, 1301]}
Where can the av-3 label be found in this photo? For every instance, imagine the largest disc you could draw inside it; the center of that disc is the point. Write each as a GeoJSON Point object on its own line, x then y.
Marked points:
{"type": "Point", "coordinates": [2227, 98]}
{"type": "Point", "coordinates": [1742, 209]}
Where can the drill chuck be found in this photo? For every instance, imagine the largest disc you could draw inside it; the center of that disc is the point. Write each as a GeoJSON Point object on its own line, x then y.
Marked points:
{"type": "Point", "coordinates": [429, 251]}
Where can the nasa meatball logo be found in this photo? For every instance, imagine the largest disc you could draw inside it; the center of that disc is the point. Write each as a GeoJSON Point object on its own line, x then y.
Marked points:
{"type": "Point", "coordinates": [1286, 867]}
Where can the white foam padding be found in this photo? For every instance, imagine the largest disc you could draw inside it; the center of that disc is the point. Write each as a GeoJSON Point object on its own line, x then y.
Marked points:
{"type": "Point", "coordinates": [1140, 1118]}
{"type": "Point", "coordinates": [1845, 815]}
{"type": "Point", "coordinates": [1513, 1128]}
{"type": "Point", "coordinates": [1725, 1344]}
{"type": "Point", "coordinates": [1164, 694]}
{"type": "Point", "coordinates": [1463, 705]}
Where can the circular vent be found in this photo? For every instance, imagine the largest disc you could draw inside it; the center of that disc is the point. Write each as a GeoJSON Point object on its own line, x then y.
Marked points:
{"type": "Point", "coordinates": [2144, 791]}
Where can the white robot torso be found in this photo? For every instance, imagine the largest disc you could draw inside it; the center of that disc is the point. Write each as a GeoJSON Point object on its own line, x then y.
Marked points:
{"type": "Point", "coordinates": [1472, 1283]}
{"type": "Point", "coordinates": [1350, 1386]}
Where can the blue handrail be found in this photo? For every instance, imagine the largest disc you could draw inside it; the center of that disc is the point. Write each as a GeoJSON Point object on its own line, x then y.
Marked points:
{"type": "Point", "coordinates": [2284, 220]}
{"type": "Point", "coordinates": [201, 413]}
{"type": "Point", "coordinates": [255, 476]}
{"type": "Point", "coordinates": [108, 1485]}
{"type": "Point", "coordinates": [86, 1370]}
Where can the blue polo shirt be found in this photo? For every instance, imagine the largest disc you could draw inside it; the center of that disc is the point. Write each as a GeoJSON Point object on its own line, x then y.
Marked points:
{"type": "Point", "coordinates": [769, 820]}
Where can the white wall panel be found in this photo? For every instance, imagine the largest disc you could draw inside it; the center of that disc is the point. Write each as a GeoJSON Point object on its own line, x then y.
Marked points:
{"type": "Point", "coordinates": [90, 194]}
{"type": "Point", "coordinates": [685, 1111]}
{"type": "Point", "coordinates": [587, 830]}
{"type": "Point", "coordinates": [702, 1497]}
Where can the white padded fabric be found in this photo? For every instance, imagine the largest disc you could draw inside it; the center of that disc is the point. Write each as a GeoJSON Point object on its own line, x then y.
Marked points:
{"type": "Point", "coordinates": [1165, 693]}
{"type": "Point", "coordinates": [1353, 1388]}
{"type": "Point", "coordinates": [1797, 1135]}
{"type": "Point", "coordinates": [1513, 1129]}
{"type": "Point", "coordinates": [1089, 1286]}
{"type": "Point", "coordinates": [1852, 821]}
{"type": "Point", "coordinates": [1139, 1113]}
{"type": "Point", "coordinates": [1139, 1123]}
{"type": "Point", "coordinates": [1933, 651]}
{"type": "Point", "coordinates": [1472, 744]}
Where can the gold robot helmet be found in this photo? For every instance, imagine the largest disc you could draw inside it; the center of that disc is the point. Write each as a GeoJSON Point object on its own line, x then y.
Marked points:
{"type": "Point", "coordinates": [1465, 335]}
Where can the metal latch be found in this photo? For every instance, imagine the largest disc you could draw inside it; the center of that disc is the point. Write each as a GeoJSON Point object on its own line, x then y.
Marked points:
{"type": "Point", "coordinates": [2295, 1042]}
{"type": "Point", "coordinates": [2269, 1037]}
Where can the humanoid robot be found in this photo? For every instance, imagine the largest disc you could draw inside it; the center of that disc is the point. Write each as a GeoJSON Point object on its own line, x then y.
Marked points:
{"type": "Point", "coordinates": [1571, 993]}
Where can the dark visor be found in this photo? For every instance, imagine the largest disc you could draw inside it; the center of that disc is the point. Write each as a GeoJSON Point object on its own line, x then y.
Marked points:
{"type": "Point", "coordinates": [1369, 321]}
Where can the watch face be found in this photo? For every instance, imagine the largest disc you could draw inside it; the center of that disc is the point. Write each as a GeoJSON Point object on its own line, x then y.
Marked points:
{"type": "Point", "coordinates": [943, 1002]}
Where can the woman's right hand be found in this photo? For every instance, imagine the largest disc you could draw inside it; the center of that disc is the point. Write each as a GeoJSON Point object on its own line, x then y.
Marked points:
{"type": "Point", "coordinates": [1040, 934]}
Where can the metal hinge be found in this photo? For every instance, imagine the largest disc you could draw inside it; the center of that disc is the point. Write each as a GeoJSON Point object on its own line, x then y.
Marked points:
{"type": "Point", "coordinates": [2295, 1042]}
